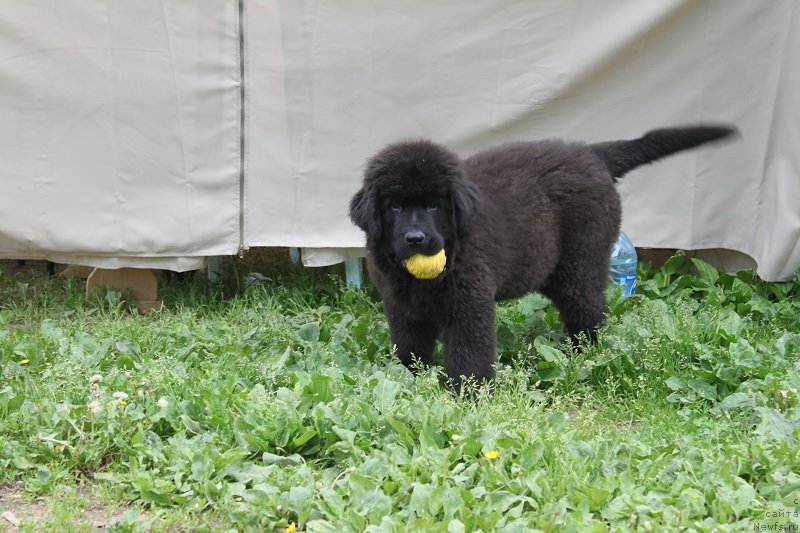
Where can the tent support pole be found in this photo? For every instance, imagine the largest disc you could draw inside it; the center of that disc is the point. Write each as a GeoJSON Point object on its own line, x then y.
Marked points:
{"type": "Point", "coordinates": [352, 271]}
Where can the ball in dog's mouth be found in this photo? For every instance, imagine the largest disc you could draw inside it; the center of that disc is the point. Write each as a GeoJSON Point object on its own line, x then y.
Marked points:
{"type": "Point", "coordinates": [426, 266]}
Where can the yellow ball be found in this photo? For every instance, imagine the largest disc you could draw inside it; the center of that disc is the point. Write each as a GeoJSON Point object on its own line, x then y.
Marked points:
{"type": "Point", "coordinates": [426, 266]}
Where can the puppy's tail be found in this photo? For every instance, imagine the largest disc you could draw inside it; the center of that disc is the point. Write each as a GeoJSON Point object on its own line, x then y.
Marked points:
{"type": "Point", "coordinates": [623, 156]}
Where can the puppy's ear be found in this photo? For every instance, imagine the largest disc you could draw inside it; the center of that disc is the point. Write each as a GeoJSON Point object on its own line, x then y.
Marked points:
{"type": "Point", "coordinates": [466, 198]}
{"type": "Point", "coordinates": [365, 213]}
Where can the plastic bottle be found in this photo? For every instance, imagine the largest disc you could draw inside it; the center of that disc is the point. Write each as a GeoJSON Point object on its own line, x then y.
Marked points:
{"type": "Point", "coordinates": [623, 263]}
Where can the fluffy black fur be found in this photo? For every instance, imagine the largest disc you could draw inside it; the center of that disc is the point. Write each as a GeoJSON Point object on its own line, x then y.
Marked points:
{"type": "Point", "coordinates": [513, 219]}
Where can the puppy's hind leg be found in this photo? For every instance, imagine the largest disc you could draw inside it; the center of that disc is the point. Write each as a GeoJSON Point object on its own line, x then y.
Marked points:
{"type": "Point", "coordinates": [580, 300]}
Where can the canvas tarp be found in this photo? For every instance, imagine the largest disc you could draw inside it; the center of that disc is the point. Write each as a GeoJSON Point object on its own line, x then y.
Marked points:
{"type": "Point", "coordinates": [120, 138]}
{"type": "Point", "coordinates": [139, 108]}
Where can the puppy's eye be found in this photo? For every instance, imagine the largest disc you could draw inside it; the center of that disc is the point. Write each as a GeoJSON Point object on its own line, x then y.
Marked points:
{"type": "Point", "coordinates": [432, 207]}
{"type": "Point", "coordinates": [394, 206]}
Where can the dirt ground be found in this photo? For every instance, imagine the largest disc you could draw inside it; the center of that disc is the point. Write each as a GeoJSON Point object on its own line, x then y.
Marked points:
{"type": "Point", "coordinates": [19, 512]}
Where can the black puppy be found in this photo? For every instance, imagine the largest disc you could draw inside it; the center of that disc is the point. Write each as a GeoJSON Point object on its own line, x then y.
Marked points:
{"type": "Point", "coordinates": [513, 219]}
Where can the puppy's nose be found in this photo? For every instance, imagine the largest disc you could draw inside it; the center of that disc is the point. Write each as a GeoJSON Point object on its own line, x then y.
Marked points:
{"type": "Point", "coordinates": [414, 237]}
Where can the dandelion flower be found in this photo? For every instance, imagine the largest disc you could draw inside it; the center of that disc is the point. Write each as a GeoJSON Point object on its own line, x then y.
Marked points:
{"type": "Point", "coordinates": [94, 406]}
{"type": "Point", "coordinates": [163, 403]}
{"type": "Point", "coordinates": [119, 395]}
{"type": "Point", "coordinates": [95, 379]}
{"type": "Point", "coordinates": [492, 454]}
{"type": "Point", "coordinates": [292, 528]}
{"type": "Point", "coordinates": [456, 438]}
{"type": "Point", "coordinates": [25, 361]}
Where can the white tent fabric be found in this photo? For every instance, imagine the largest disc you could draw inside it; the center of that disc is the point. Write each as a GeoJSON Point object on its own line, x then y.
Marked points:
{"type": "Point", "coordinates": [343, 78]}
{"type": "Point", "coordinates": [121, 142]}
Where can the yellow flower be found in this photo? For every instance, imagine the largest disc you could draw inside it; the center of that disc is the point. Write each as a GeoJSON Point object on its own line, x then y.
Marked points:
{"type": "Point", "coordinates": [492, 454]}
{"type": "Point", "coordinates": [25, 361]}
{"type": "Point", "coordinates": [292, 528]}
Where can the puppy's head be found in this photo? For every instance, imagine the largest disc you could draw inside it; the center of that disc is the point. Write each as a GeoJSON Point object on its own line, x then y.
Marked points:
{"type": "Point", "coordinates": [415, 199]}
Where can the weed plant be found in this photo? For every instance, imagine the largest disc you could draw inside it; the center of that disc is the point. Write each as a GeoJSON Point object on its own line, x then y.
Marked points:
{"type": "Point", "coordinates": [281, 406]}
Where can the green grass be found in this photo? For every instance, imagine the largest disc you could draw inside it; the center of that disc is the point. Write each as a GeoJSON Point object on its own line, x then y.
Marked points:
{"type": "Point", "coordinates": [282, 404]}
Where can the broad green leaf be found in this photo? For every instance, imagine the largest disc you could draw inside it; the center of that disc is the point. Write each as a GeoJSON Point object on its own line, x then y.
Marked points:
{"type": "Point", "coordinates": [277, 362]}
{"type": "Point", "coordinates": [300, 440]}
{"type": "Point", "coordinates": [675, 383]}
{"type": "Point", "coordinates": [385, 392]}
{"type": "Point", "coordinates": [549, 353]}
{"type": "Point", "coordinates": [334, 501]}
{"type": "Point", "coordinates": [360, 484]}
{"type": "Point", "coordinates": [774, 425]}
{"type": "Point", "coordinates": [322, 526]}
{"type": "Point", "coordinates": [557, 421]}
{"type": "Point", "coordinates": [596, 497]}
{"type": "Point", "coordinates": [455, 526]}
{"type": "Point", "coordinates": [741, 291]}
{"type": "Point", "coordinates": [703, 388]}
{"type": "Point", "coordinates": [230, 456]}
{"type": "Point", "coordinates": [190, 424]}
{"type": "Point", "coordinates": [271, 459]}
{"type": "Point", "coordinates": [9, 404]}
{"type": "Point", "coordinates": [373, 504]}
{"type": "Point", "coordinates": [309, 332]}
{"type": "Point", "coordinates": [549, 371]}
{"type": "Point", "coordinates": [673, 265]}
{"type": "Point", "coordinates": [531, 303]}
{"type": "Point", "coordinates": [676, 397]}
{"type": "Point", "coordinates": [420, 499]}
{"type": "Point", "coordinates": [789, 342]}
{"type": "Point", "coordinates": [321, 387]}
{"type": "Point", "coordinates": [402, 430]}
{"type": "Point", "coordinates": [730, 322]}
{"type": "Point", "coordinates": [733, 401]}
{"type": "Point", "coordinates": [21, 462]}
{"type": "Point", "coordinates": [342, 330]}
{"type": "Point", "coordinates": [43, 475]}
{"type": "Point", "coordinates": [530, 455]}
{"type": "Point", "coordinates": [740, 497]}
{"type": "Point", "coordinates": [707, 272]}
{"type": "Point", "coordinates": [781, 290]}
{"type": "Point", "coordinates": [51, 332]}
{"type": "Point", "coordinates": [152, 497]}
{"type": "Point", "coordinates": [299, 500]}
{"type": "Point", "coordinates": [202, 467]}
